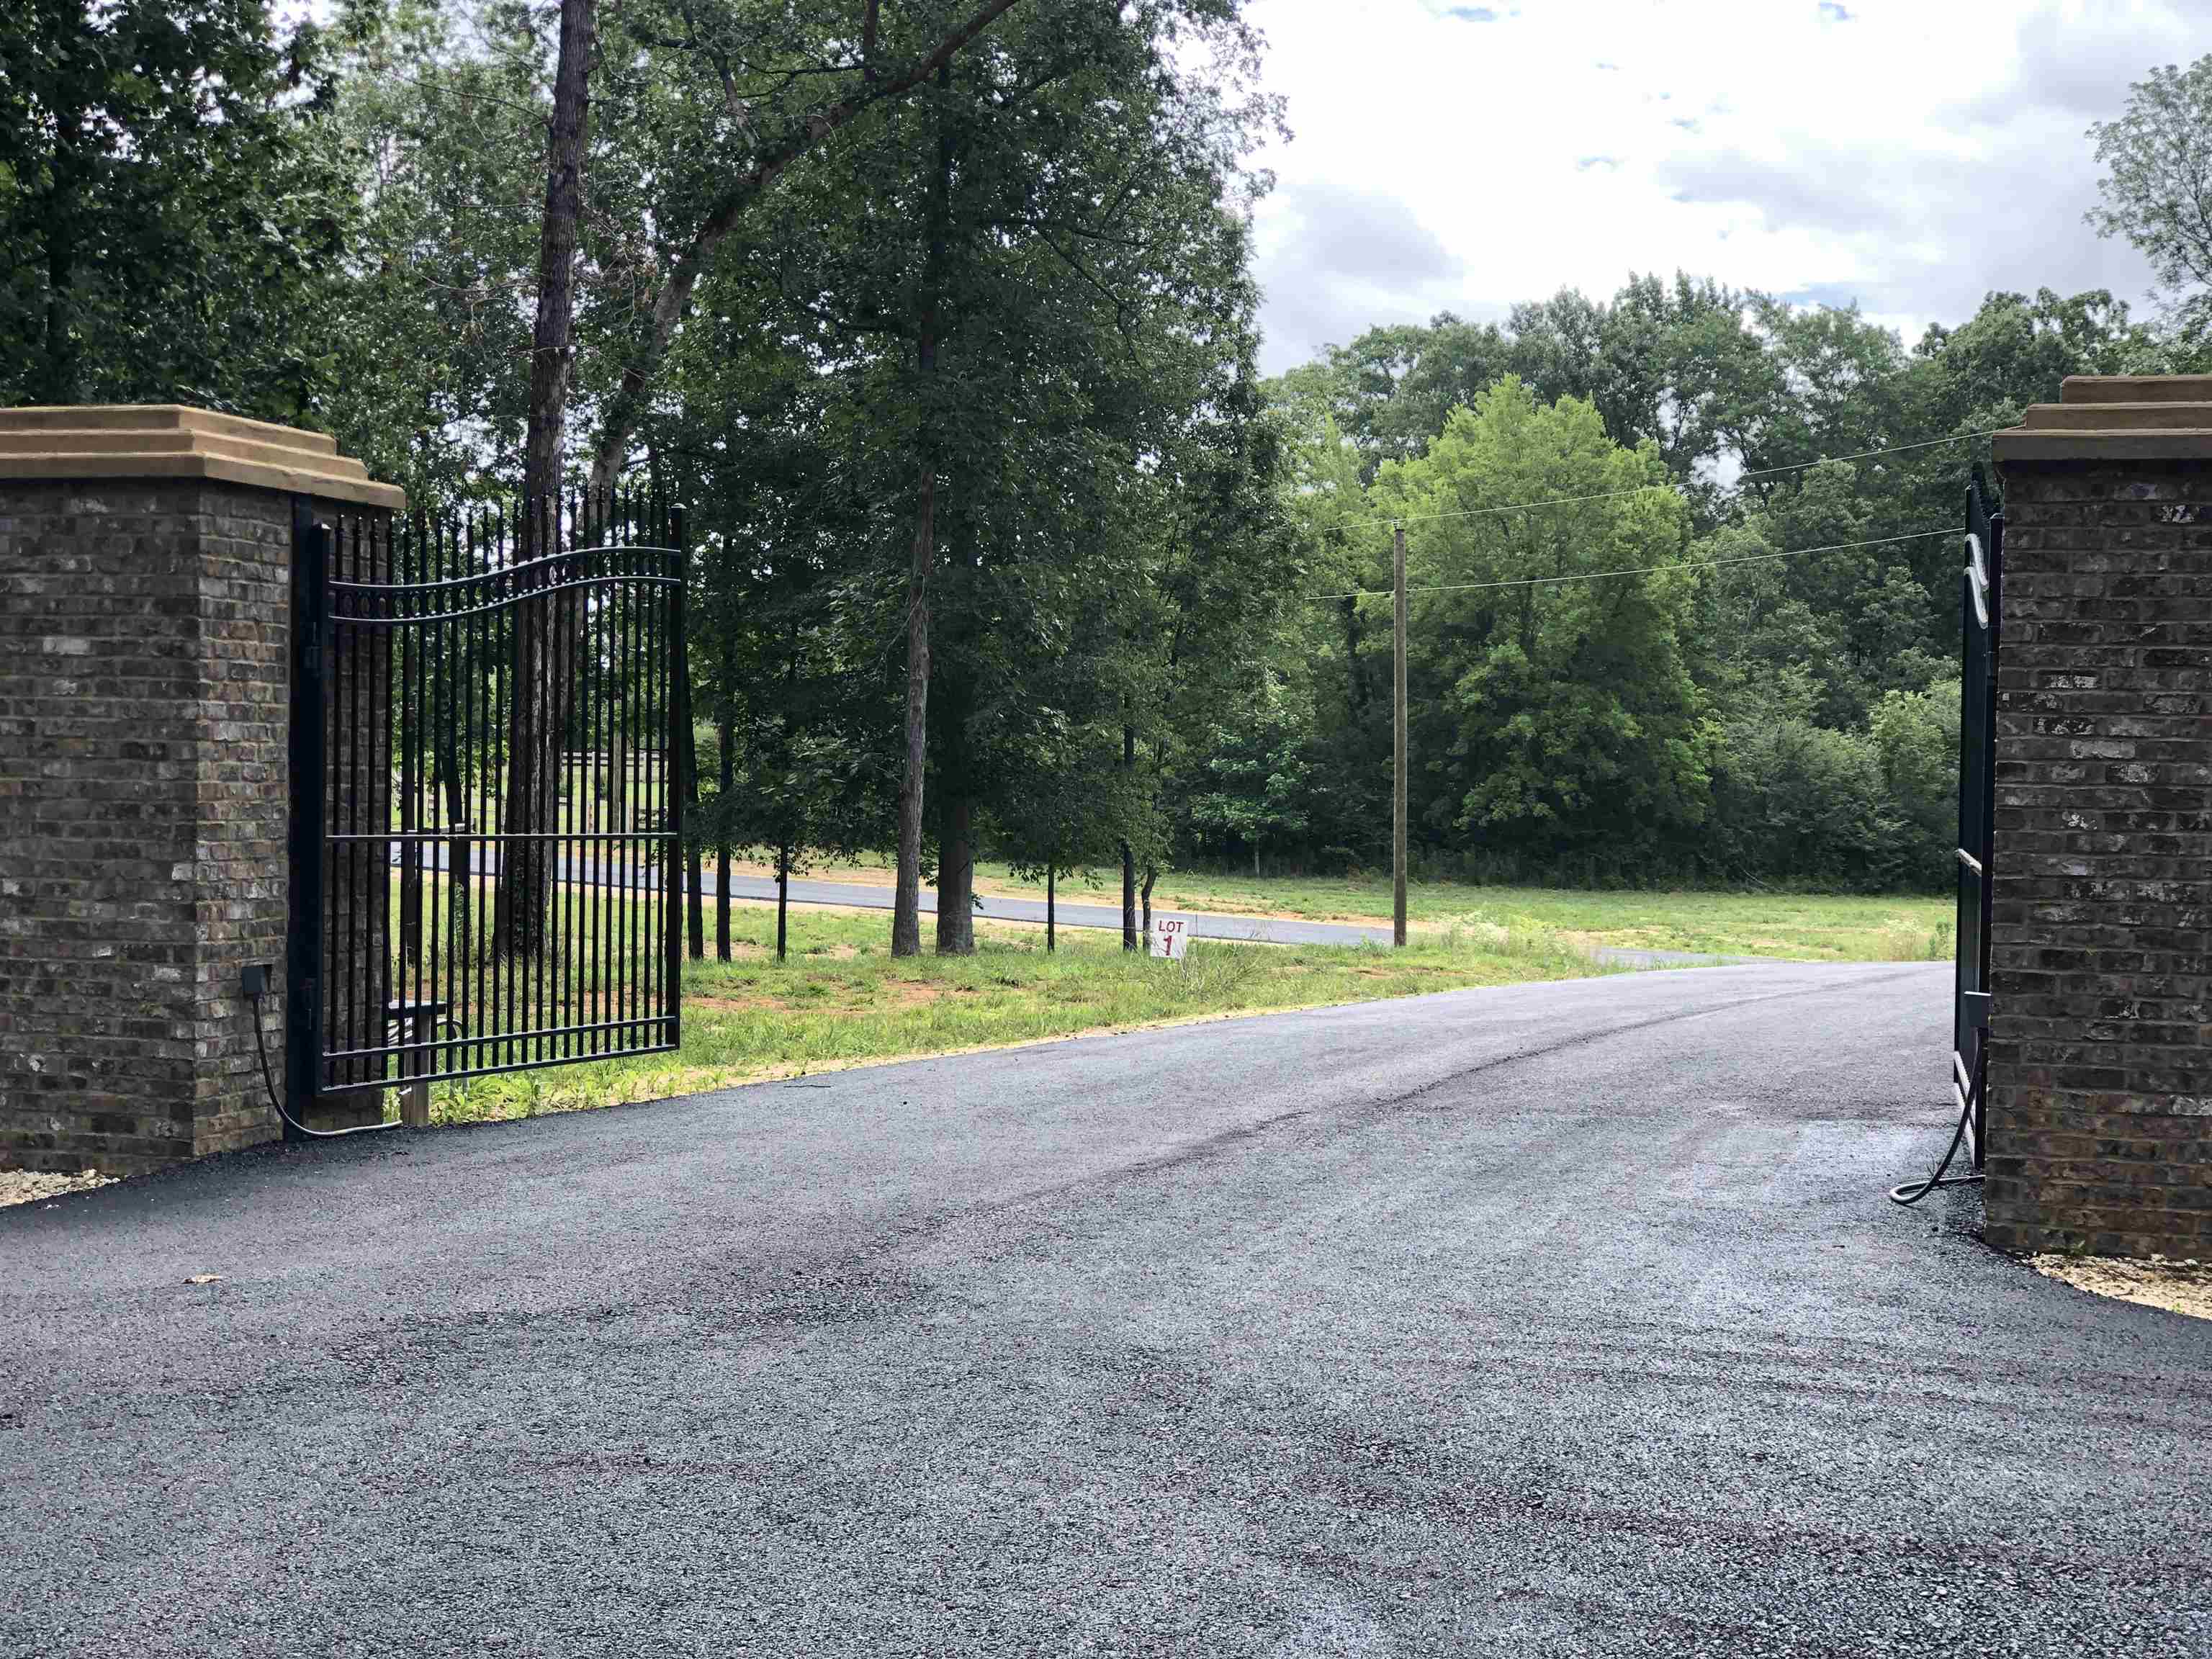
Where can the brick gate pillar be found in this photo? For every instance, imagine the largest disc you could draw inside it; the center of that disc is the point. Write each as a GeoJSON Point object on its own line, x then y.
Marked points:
{"type": "Point", "coordinates": [145, 628]}
{"type": "Point", "coordinates": [2100, 1079]}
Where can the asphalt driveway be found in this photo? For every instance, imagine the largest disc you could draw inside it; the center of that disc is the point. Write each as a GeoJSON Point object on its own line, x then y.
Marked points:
{"type": "Point", "coordinates": [1563, 1320]}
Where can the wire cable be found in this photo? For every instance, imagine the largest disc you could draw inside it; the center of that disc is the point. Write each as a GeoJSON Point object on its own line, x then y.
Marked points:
{"type": "Point", "coordinates": [261, 1047]}
{"type": "Point", "coordinates": [1637, 570]}
{"type": "Point", "coordinates": [1616, 494]}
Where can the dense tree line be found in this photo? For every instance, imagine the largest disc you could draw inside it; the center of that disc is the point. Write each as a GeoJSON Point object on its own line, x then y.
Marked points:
{"type": "Point", "coordinates": [939, 316]}
{"type": "Point", "coordinates": [1775, 701]}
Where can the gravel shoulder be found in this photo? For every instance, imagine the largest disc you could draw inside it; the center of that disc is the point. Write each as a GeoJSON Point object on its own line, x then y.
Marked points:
{"type": "Point", "coordinates": [2182, 1288]}
{"type": "Point", "coordinates": [30, 1186]}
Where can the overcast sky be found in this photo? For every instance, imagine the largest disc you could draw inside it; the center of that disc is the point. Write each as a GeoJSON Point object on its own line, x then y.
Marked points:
{"type": "Point", "coordinates": [1911, 155]}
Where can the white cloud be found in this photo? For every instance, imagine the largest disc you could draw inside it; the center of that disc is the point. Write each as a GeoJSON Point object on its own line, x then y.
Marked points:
{"type": "Point", "coordinates": [1912, 155]}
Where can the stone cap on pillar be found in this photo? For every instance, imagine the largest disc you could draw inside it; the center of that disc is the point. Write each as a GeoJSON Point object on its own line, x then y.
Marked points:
{"type": "Point", "coordinates": [169, 441]}
{"type": "Point", "coordinates": [2116, 418]}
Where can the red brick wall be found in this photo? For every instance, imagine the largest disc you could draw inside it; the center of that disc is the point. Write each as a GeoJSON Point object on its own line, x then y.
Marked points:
{"type": "Point", "coordinates": [2100, 1078]}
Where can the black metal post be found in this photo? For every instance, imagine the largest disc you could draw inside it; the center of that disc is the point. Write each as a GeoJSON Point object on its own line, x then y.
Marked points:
{"type": "Point", "coordinates": [680, 709]}
{"type": "Point", "coordinates": [303, 956]}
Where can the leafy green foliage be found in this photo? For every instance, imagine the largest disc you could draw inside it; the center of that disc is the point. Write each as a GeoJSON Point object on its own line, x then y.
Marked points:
{"type": "Point", "coordinates": [1555, 714]}
{"type": "Point", "coordinates": [176, 207]}
{"type": "Point", "coordinates": [824, 258]}
{"type": "Point", "coordinates": [2158, 184]}
{"type": "Point", "coordinates": [1768, 717]}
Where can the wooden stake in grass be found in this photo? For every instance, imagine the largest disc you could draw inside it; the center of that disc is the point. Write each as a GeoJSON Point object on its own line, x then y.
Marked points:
{"type": "Point", "coordinates": [1398, 739]}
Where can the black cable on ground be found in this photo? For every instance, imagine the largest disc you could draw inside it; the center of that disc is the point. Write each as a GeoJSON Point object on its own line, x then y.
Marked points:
{"type": "Point", "coordinates": [1913, 1191]}
{"type": "Point", "coordinates": [261, 1047]}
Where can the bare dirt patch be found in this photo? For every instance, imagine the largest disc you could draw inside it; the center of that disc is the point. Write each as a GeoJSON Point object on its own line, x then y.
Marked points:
{"type": "Point", "coordinates": [29, 1185]}
{"type": "Point", "coordinates": [734, 1005]}
{"type": "Point", "coordinates": [912, 993]}
{"type": "Point", "coordinates": [2182, 1288]}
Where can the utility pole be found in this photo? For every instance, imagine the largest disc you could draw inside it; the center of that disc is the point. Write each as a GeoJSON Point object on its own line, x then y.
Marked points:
{"type": "Point", "coordinates": [1398, 737]}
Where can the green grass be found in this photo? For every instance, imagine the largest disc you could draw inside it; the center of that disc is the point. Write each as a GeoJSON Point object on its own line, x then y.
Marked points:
{"type": "Point", "coordinates": [1802, 927]}
{"type": "Point", "coordinates": [842, 999]}
{"type": "Point", "coordinates": [1818, 928]}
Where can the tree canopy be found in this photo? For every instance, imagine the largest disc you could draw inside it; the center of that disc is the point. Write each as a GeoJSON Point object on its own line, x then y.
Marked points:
{"type": "Point", "coordinates": [941, 317]}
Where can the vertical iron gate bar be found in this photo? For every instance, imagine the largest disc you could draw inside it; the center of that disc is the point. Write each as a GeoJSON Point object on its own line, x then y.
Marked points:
{"type": "Point", "coordinates": [306, 755]}
{"type": "Point", "coordinates": [648, 792]}
{"type": "Point", "coordinates": [602, 819]}
{"type": "Point", "coordinates": [406, 722]}
{"type": "Point", "coordinates": [1987, 883]}
{"type": "Point", "coordinates": [439, 720]}
{"type": "Point", "coordinates": [327, 1014]}
{"type": "Point", "coordinates": [503, 655]}
{"type": "Point", "coordinates": [625, 796]}
{"type": "Point", "coordinates": [345, 751]}
{"type": "Point", "coordinates": [545, 618]}
{"type": "Point", "coordinates": [679, 668]}
{"type": "Point", "coordinates": [336, 994]}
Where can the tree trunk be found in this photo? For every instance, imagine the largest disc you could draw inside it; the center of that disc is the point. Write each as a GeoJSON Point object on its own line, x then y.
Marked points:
{"type": "Point", "coordinates": [1051, 883]}
{"type": "Point", "coordinates": [59, 377]}
{"type": "Point", "coordinates": [552, 350]}
{"type": "Point", "coordinates": [906, 913]}
{"type": "Point", "coordinates": [1355, 685]}
{"type": "Point", "coordinates": [687, 740]}
{"type": "Point", "coordinates": [537, 715]}
{"type": "Point", "coordinates": [1129, 939]}
{"type": "Point", "coordinates": [539, 709]}
{"type": "Point", "coordinates": [1151, 875]}
{"type": "Point", "coordinates": [460, 880]}
{"type": "Point", "coordinates": [956, 876]}
{"type": "Point", "coordinates": [726, 780]}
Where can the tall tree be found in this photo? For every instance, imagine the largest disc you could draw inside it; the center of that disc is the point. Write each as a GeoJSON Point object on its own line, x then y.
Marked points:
{"type": "Point", "coordinates": [2157, 186]}
{"type": "Point", "coordinates": [906, 916]}
{"type": "Point", "coordinates": [545, 650]}
{"type": "Point", "coordinates": [552, 349]}
{"type": "Point", "coordinates": [174, 206]}
{"type": "Point", "coordinates": [774, 115]}
{"type": "Point", "coordinates": [1559, 713]}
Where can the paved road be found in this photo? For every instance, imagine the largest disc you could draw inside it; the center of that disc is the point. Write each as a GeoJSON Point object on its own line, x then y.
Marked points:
{"type": "Point", "coordinates": [1201, 924]}
{"type": "Point", "coordinates": [1561, 1320]}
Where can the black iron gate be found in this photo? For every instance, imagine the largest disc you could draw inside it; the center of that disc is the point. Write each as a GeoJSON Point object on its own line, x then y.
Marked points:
{"type": "Point", "coordinates": [487, 804]}
{"type": "Point", "coordinates": [1981, 585]}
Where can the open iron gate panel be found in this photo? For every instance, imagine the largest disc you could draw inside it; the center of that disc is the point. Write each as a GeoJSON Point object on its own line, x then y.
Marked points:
{"type": "Point", "coordinates": [1981, 590]}
{"type": "Point", "coordinates": [487, 801]}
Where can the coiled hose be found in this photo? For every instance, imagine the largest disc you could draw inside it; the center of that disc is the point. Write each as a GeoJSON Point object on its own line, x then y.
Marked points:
{"type": "Point", "coordinates": [1913, 1191]}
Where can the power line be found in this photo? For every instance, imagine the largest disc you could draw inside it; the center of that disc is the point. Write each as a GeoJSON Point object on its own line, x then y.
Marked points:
{"type": "Point", "coordinates": [1616, 494]}
{"type": "Point", "coordinates": [1640, 571]}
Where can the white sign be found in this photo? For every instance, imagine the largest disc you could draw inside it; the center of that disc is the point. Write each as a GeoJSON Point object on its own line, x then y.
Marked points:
{"type": "Point", "coordinates": [1172, 937]}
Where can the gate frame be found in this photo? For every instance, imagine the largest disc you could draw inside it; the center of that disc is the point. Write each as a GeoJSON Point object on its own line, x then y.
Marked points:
{"type": "Point", "coordinates": [313, 642]}
{"type": "Point", "coordinates": [306, 750]}
{"type": "Point", "coordinates": [1981, 640]}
